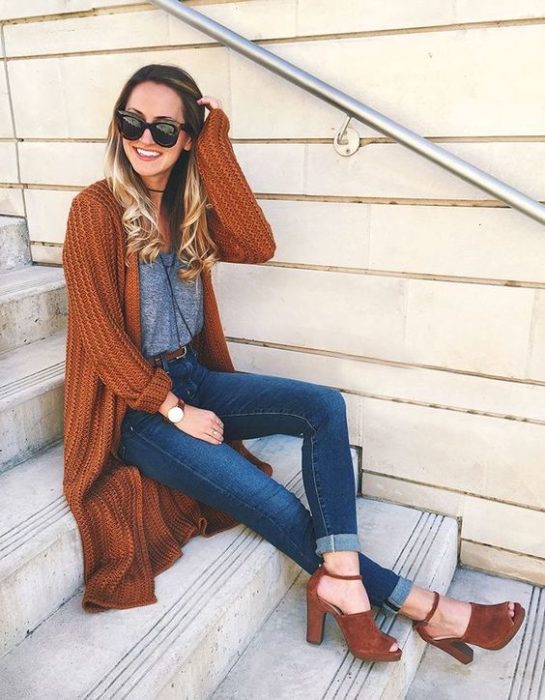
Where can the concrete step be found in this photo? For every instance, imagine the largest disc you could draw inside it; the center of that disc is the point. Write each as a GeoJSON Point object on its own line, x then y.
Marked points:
{"type": "Point", "coordinates": [40, 546]}
{"type": "Point", "coordinates": [211, 603]}
{"type": "Point", "coordinates": [516, 672]}
{"type": "Point", "coordinates": [280, 663]}
{"type": "Point", "coordinates": [31, 398]}
{"type": "Point", "coordinates": [194, 619]}
{"type": "Point", "coordinates": [32, 304]}
{"type": "Point", "coordinates": [14, 243]}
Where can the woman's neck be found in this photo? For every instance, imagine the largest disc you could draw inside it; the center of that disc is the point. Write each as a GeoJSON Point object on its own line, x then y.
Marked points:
{"type": "Point", "coordinates": [165, 235]}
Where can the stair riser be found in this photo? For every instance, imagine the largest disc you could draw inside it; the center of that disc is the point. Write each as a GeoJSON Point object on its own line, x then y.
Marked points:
{"type": "Point", "coordinates": [14, 244]}
{"type": "Point", "coordinates": [31, 425]}
{"type": "Point", "coordinates": [42, 584]}
{"type": "Point", "coordinates": [25, 319]}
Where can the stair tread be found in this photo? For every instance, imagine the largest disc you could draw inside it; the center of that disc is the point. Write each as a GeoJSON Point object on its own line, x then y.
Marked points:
{"type": "Point", "coordinates": [329, 670]}
{"type": "Point", "coordinates": [138, 651]}
{"type": "Point", "coordinates": [516, 672]}
{"type": "Point", "coordinates": [31, 369]}
{"type": "Point", "coordinates": [29, 279]}
{"type": "Point", "coordinates": [32, 507]}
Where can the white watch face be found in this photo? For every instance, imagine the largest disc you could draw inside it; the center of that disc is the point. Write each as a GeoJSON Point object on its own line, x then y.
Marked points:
{"type": "Point", "coordinates": [175, 414]}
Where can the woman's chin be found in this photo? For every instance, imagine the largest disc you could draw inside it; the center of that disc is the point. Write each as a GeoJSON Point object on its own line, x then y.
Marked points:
{"type": "Point", "coordinates": [148, 169]}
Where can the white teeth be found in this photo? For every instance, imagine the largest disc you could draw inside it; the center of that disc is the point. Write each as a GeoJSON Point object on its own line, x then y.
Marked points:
{"type": "Point", "coordinates": [147, 153]}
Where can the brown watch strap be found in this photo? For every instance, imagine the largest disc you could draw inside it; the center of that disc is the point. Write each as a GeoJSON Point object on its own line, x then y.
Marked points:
{"type": "Point", "coordinates": [180, 403]}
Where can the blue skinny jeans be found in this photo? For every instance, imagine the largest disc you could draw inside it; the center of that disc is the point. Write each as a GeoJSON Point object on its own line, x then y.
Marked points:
{"type": "Point", "coordinates": [250, 406]}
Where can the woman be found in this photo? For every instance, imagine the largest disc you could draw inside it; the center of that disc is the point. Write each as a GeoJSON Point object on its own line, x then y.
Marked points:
{"type": "Point", "coordinates": [155, 413]}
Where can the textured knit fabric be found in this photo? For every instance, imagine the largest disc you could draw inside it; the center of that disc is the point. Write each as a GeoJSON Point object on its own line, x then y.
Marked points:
{"type": "Point", "coordinates": [168, 324]}
{"type": "Point", "coordinates": [132, 528]}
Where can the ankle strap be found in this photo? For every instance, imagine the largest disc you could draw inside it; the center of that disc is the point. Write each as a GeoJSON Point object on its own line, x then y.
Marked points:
{"type": "Point", "coordinates": [329, 573]}
{"type": "Point", "coordinates": [433, 607]}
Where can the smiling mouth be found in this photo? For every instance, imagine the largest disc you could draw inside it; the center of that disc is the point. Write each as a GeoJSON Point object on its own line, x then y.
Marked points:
{"type": "Point", "coordinates": [146, 154]}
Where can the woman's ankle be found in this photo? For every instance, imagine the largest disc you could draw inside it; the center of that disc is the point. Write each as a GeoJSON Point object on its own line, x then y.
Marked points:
{"type": "Point", "coordinates": [349, 596]}
{"type": "Point", "coordinates": [345, 563]}
{"type": "Point", "coordinates": [417, 604]}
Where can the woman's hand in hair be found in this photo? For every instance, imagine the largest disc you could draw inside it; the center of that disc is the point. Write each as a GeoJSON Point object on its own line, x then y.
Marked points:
{"type": "Point", "coordinates": [201, 423]}
{"type": "Point", "coordinates": [210, 102]}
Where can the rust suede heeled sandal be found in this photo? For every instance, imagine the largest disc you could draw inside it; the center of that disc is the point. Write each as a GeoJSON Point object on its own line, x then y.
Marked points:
{"type": "Point", "coordinates": [362, 636]}
{"type": "Point", "coordinates": [490, 627]}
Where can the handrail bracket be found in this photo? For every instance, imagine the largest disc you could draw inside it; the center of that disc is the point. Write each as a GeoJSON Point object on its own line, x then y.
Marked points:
{"type": "Point", "coordinates": [347, 140]}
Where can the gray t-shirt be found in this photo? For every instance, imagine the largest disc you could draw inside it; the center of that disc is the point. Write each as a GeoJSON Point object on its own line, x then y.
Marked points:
{"type": "Point", "coordinates": [159, 316]}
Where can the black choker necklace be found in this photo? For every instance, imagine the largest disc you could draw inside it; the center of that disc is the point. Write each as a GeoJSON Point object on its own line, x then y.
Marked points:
{"type": "Point", "coordinates": [149, 188]}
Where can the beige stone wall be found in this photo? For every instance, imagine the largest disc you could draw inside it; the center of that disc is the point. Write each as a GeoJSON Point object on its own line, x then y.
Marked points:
{"type": "Point", "coordinates": [413, 292]}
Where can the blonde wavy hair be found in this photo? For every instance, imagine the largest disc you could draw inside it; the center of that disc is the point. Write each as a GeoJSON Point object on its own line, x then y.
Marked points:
{"type": "Point", "coordinates": [184, 201]}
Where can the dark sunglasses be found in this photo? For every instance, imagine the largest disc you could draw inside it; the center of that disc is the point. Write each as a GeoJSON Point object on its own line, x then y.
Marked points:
{"type": "Point", "coordinates": [164, 133]}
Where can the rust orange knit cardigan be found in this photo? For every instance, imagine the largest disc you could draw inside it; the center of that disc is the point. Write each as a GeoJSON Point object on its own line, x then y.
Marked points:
{"type": "Point", "coordinates": [133, 527]}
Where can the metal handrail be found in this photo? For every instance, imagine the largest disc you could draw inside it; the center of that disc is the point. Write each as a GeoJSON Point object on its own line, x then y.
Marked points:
{"type": "Point", "coordinates": [358, 110]}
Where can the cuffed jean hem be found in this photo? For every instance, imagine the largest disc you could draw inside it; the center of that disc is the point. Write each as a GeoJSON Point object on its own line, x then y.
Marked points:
{"type": "Point", "coordinates": [397, 597]}
{"type": "Point", "coordinates": [338, 543]}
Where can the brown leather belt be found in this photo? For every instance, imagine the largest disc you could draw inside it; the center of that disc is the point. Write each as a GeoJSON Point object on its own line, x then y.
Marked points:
{"type": "Point", "coordinates": [171, 355]}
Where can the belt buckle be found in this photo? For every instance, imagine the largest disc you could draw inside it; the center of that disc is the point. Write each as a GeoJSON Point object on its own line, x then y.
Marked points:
{"type": "Point", "coordinates": [183, 354]}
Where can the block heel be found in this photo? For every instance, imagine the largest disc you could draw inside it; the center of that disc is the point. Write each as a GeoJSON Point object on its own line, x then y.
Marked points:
{"type": "Point", "coordinates": [460, 651]}
{"type": "Point", "coordinates": [315, 623]}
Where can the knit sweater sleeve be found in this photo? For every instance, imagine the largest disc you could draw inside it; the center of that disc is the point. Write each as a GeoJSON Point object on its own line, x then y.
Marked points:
{"type": "Point", "coordinates": [94, 307]}
{"type": "Point", "coordinates": [236, 220]}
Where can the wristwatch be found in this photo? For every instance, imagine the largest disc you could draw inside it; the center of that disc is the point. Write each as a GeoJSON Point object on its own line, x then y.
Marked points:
{"type": "Point", "coordinates": [176, 413]}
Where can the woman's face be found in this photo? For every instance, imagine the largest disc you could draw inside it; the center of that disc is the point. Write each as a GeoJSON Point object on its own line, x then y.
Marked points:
{"type": "Point", "coordinates": [150, 101]}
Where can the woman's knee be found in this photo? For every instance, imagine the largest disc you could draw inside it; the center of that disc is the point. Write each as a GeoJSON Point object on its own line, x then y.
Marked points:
{"type": "Point", "coordinates": [328, 402]}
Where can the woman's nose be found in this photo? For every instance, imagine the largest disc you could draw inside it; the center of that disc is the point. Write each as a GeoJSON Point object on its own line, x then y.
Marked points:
{"type": "Point", "coordinates": [146, 136]}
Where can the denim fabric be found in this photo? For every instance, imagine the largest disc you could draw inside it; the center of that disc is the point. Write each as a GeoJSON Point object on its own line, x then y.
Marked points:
{"type": "Point", "coordinates": [250, 406]}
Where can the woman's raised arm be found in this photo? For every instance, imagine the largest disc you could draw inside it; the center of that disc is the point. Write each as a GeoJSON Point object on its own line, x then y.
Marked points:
{"type": "Point", "coordinates": [94, 307]}
{"type": "Point", "coordinates": [238, 224]}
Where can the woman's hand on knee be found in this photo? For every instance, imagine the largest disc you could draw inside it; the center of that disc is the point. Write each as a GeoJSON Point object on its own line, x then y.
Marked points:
{"type": "Point", "coordinates": [202, 424]}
